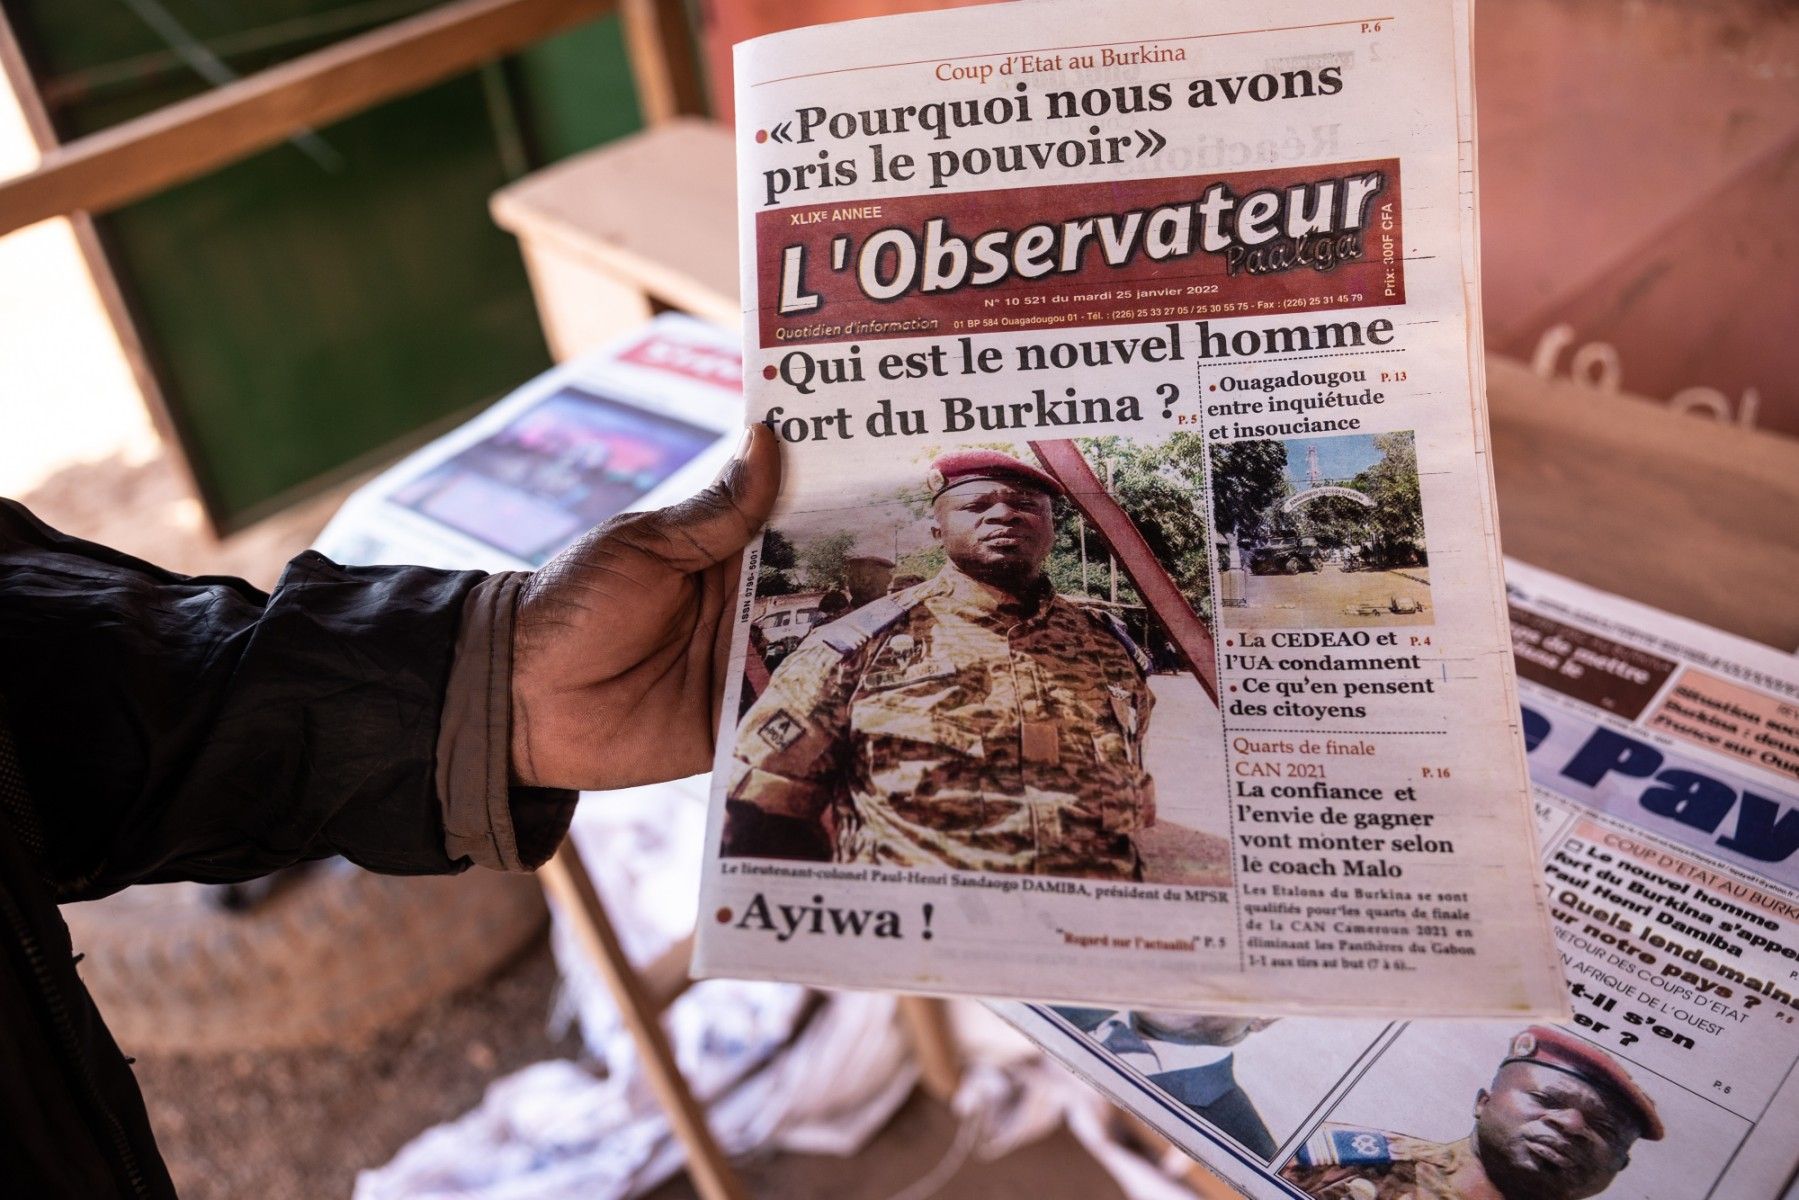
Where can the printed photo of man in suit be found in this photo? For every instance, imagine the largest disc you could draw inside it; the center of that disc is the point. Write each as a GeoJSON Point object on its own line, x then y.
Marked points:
{"type": "Point", "coordinates": [1186, 1056]}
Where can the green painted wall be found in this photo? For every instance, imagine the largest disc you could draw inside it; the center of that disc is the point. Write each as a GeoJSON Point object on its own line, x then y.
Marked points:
{"type": "Point", "coordinates": [319, 305]}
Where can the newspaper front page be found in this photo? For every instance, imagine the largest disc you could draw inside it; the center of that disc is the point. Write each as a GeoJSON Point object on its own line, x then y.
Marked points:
{"type": "Point", "coordinates": [1665, 758]}
{"type": "Point", "coordinates": [1131, 623]}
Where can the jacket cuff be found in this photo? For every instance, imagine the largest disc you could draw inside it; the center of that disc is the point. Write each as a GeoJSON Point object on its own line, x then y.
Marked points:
{"type": "Point", "coordinates": [487, 820]}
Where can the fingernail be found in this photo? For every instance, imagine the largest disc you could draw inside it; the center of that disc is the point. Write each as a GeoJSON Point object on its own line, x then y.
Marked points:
{"type": "Point", "coordinates": [744, 443]}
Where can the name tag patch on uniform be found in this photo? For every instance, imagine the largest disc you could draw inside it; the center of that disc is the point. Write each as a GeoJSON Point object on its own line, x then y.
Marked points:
{"type": "Point", "coordinates": [781, 730]}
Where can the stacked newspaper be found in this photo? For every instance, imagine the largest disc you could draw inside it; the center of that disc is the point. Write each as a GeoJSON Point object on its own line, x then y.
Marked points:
{"type": "Point", "coordinates": [1665, 759]}
{"type": "Point", "coordinates": [1131, 628]}
{"type": "Point", "coordinates": [642, 422]}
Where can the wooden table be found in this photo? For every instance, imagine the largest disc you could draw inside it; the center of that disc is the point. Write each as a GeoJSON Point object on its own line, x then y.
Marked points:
{"type": "Point", "coordinates": [646, 223]}
{"type": "Point", "coordinates": [1689, 515]}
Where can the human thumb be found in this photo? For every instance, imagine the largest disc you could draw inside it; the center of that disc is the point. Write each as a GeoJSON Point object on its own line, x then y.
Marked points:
{"type": "Point", "coordinates": [722, 519]}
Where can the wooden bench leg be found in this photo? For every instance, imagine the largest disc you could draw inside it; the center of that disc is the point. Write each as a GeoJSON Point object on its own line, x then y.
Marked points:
{"type": "Point", "coordinates": [927, 1024]}
{"type": "Point", "coordinates": [565, 877]}
{"type": "Point", "coordinates": [1204, 1184]}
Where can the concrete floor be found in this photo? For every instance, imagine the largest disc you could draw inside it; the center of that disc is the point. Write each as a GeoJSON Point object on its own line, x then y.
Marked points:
{"type": "Point", "coordinates": [298, 1125]}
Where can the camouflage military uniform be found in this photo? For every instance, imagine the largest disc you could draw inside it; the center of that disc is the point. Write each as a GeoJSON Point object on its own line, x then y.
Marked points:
{"type": "Point", "coordinates": [1365, 1164]}
{"type": "Point", "coordinates": [951, 725]}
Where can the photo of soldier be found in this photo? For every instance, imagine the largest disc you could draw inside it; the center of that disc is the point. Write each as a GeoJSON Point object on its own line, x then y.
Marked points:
{"type": "Point", "coordinates": [977, 720]}
{"type": "Point", "coordinates": [1188, 1057]}
{"type": "Point", "coordinates": [1557, 1121]}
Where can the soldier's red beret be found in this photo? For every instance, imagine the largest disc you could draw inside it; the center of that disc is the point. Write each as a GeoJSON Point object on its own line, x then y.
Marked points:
{"type": "Point", "coordinates": [959, 466]}
{"type": "Point", "coordinates": [1559, 1050]}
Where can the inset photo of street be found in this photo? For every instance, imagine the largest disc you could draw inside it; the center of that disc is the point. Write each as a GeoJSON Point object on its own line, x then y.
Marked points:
{"type": "Point", "coordinates": [1320, 532]}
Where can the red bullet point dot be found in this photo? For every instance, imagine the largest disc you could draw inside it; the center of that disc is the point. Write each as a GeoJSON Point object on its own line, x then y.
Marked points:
{"type": "Point", "coordinates": [1213, 388]}
{"type": "Point", "coordinates": [768, 372]}
{"type": "Point", "coordinates": [724, 916]}
{"type": "Point", "coordinates": [761, 136]}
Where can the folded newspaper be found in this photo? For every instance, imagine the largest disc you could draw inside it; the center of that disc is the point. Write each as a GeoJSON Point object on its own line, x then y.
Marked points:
{"type": "Point", "coordinates": [1665, 758]}
{"type": "Point", "coordinates": [642, 422]}
{"type": "Point", "coordinates": [1131, 628]}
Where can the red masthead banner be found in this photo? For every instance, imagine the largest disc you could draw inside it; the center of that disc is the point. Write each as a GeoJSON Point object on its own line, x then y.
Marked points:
{"type": "Point", "coordinates": [1242, 244]}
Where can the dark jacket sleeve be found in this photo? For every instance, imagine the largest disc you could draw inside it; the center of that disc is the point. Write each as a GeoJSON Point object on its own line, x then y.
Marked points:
{"type": "Point", "coordinates": [173, 727]}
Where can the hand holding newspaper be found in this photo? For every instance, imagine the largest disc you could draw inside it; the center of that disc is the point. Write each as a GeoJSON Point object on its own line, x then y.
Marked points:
{"type": "Point", "coordinates": [1131, 628]}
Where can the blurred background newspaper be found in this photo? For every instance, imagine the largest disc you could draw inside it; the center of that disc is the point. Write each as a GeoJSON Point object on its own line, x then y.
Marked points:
{"type": "Point", "coordinates": [638, 423]}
